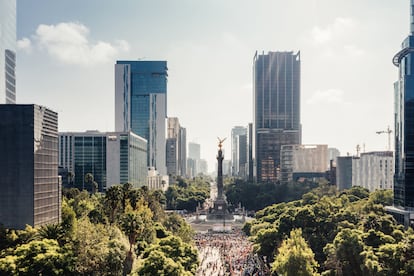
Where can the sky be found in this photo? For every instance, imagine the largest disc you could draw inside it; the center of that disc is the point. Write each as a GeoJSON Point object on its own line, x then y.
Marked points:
{"type": "Point", "coordinates": [67, 50]}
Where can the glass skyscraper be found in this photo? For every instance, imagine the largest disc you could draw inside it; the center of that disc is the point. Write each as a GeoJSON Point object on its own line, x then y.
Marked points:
{"type": "Point", "coordinates": [141, 105]}
{"type": "Point", "coordinates": [7, 51]}
{"type": "Point", "coordinates": [404, 123]}
{"type": "Point", "coordinates": [276, 89]}
{"type": "Point", "coordinates": [30, 190]}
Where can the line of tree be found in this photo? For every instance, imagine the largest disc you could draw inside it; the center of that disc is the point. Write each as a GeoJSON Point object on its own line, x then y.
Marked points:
{"type": "Point", "coordinates": [256, 196]}
{"type": "Point", "coordinates": [187, 194]}
{"type": "Point", "coordinates": [124, 231]}
{"type": "Point", "coordinates": [347, 233]}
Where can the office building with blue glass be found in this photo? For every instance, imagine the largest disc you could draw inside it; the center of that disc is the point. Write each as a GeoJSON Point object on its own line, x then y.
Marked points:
{"type": "Point", "coordinates": [141, 105]}
{"type": "Point", "coordinates": [30, 190]}
{"type": "Point", "coordinates": [7, 51]}
{"type": "Point", "coordinates": [403, 209]}
{"type": "Point", "coordinates": [276, 109]}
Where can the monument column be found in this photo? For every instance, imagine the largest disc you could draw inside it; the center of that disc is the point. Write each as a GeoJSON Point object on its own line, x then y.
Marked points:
{"type": "Point", "coordinates": [220, 174]}
{"type": "Point", "coordinates": [219, 210]}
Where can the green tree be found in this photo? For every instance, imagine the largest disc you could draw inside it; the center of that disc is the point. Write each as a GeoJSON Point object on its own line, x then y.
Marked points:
{"type": "Point", "coordinates": [44, 257]}
{"type": "Point", "coordinates": [178, 251]}
{"type": "Point", "coordinates": [158, 264]}
{"type": "Point", "coordinates": [344, 254]}
{"type": "Point", "coordinates": [113, 198]}
{"type": "Point", "coordinates": [295, 257]}
{"type": "Point", "coordinates": [93, 245]}
{"type": "Point", "coordinates": [53, 232]}
{"type": "Point", "coordinates": [92, 185]}
{"type": "Point", "coordinates": [137, 226]}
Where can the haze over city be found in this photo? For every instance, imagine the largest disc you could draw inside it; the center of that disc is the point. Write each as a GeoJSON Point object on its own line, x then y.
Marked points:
{"type": "Point", "coordinates": [346, 51]}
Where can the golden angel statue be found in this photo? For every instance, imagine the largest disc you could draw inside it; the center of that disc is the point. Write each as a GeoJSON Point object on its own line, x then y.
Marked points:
{"type": "Point", "coordinates": [221, 142]}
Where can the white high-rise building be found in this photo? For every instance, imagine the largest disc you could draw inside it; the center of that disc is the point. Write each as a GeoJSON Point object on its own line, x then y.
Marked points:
{"type": "Point", "coordinates": [372, 170]}
{"type": "Point", "coordinates": [7, 51]}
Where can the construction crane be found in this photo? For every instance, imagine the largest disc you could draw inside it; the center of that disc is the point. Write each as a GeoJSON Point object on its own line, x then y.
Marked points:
{"type": "Point", "coordinates": [388, 131]}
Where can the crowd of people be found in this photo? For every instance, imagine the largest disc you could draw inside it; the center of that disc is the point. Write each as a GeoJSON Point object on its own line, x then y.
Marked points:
{"type": "Point", "coordinates": [227, 253]}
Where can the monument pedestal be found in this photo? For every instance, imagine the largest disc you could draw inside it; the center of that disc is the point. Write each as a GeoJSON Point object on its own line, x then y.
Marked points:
{"type": "Point", "coordinates": [220, 211]}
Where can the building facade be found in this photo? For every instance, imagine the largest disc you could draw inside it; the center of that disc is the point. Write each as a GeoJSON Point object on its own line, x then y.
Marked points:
{"type": "Point", "coordinates": [404, 123]}
{"type": "Point", "coordinates": [193, 161]}
{"type": "Point", "coordinates": [302, 159]}
{"type": "Point", "coordinates": [176, 159]}
{"type": "Point", "coordinates": [111, 157]}
{"type": "Point", "coordinates": [239, 151]}
{"type": "Point", "coordinates": [30, 190]}
{"type": "Point", "coordinates": [251, 175]}
{"type": "Point", "coordinates": [7, 51]}
{"type": "Point", "coordinates": [155, 181]}
{"type": "Point", "coordinates": [372, 170]}
{"type": "Point", "coordinates": [276, 91]}
{"type": "Point", "coordinates": [141, 105]}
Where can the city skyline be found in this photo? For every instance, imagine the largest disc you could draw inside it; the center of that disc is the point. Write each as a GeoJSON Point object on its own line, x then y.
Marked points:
{"type": "Point", "coordinates": [209, 47]}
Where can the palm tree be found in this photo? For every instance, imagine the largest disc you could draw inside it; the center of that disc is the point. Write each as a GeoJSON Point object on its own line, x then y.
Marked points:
{"type": "Point", "coordinates": [113, 197]}
{"type": "Point", "coordinates": [52, 232]}
{"type": "Point", "coordinates": [132, 225]}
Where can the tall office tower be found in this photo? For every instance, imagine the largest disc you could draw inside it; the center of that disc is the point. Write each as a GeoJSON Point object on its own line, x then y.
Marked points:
{"type": "Point", "coordinates": [176, 148]}
{"type": "Point", "coordinates": [404, 123]}
{"type": "Point", "coordinates": [238, 153]}
{"type": "Point", "coordinates": [193, 161]}
{"type": "Point", "coordinates": [7, 51]}
{"type": "Point", "coordinates": [30, 190]}
{"type": "Point", "coordinates": [111, 157]}
{"type": "Point", "coordinates": [250, 154]}
{"type": "Point", "coordinates": [276, 91]}
{"type": "Point", "coordinates": [141, 105]}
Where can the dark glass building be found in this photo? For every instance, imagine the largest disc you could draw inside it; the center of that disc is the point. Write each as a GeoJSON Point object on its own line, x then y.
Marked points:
{"type": "Point", "coordinates": [30, 190]}
{"type": "Point", "coordinates": [404, 123]}
{"type": "Point", "coordinates": [276, 89]}
{"type": "Point", "coordinates": [141, 105]}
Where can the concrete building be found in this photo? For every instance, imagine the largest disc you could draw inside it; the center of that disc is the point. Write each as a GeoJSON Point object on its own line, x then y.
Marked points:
{"type": "Point", "coordinates": [333, 153]}
{"type": "Point", "coordinates": [30, 190]}
{"type": "Point", "coordinates": [155, 181]}
{"type": "Point", "coordinates": [7, 51]}
{"type": "Point", "coordinates": [372, 170]}
{"type": "Point", "coordinates": [302, 159]}
{"type": "Point", "coordinates": [344, 171]}
{"type": "Point", "coordinates": [111, 157]}
{"type": "Point", "coordinates": [276, 93]}
{"type": "Point", "coordinates": [176, 159]}
{"type": "Point", "coordinates": [141, 105]}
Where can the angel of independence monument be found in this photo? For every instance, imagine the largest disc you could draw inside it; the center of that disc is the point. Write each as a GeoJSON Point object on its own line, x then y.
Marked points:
{"type": "Point", "coordinates": [220, 210]}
